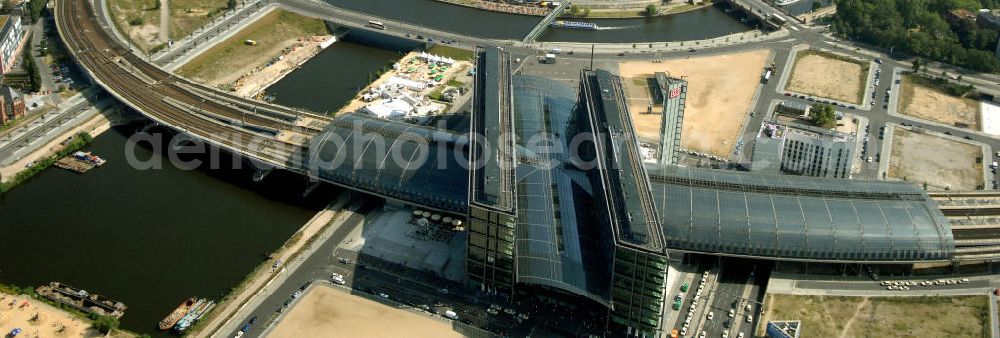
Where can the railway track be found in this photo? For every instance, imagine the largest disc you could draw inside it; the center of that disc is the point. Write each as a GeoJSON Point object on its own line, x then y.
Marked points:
{"type": "Point", "coordinates": [159, 95]}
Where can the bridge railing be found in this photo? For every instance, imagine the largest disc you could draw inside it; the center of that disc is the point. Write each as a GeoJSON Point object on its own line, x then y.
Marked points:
{"type": "Point", "coordinates": [546, 21]}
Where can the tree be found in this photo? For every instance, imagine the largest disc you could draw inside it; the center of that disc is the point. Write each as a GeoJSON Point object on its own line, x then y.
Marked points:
{"type": "Point", "coordinates": [823, 115]}
{"type": "Point", "coordinates": [574, 10]}
{"type": "Point", "coordinates": [7, 6]}
{"type": "Point", "coordinates": [230, 4]}
{"type": "Point", "coordinates": [916, 65]}
{"type": "Point", "coordinates": [651, 10]}
{"type": "Point", "coordinates": [586, 11]}
{"type": "Point", "coordinates": [105, 324]}
{"type": "Point", "coordinates": [816, 5]}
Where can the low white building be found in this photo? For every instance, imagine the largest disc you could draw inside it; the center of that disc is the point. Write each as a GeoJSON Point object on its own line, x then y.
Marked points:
{"type": "Point", "coordinates": [389, 109]}
{"type": "Point", "coordinates": [11, 41]}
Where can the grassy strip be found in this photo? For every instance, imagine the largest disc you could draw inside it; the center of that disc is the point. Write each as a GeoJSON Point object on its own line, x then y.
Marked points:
{"type": "Point", "coordinates": [864, 68]}
{"type": "Point", "coordinates": [941, 85]}
{"type": "Point", "coordinates": [451, 52]}
{"type": "Point", "coordinates": [626, 13]}
{"type": "Point", "coordinates": [78, 142]}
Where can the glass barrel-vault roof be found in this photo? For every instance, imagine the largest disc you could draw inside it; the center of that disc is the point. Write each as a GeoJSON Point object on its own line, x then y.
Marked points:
{"type": "Point", "coordinates": [795, 217]}
{"type": "Point", "coordinates": [393, 159]}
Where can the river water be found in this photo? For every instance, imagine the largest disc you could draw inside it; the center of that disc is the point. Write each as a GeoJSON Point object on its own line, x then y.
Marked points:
{"type": "Point", "coordinates": [148, 238]}
{"type": "Point", "coordinates": [703, 23]}
{"type": "Point", "coordinates": [331, 78]}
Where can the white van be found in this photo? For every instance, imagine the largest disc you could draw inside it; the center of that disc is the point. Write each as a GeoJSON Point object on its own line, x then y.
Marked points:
{"type": "Point", "coordinates": [451, 314]}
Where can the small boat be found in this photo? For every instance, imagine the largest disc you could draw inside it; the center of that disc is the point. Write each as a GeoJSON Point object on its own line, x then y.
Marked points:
{"type": "Point", "coordinates": [178, 313]}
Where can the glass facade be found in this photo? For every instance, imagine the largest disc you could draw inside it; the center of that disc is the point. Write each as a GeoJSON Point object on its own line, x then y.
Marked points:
{"type": "Point", "coordinates": [793, 217]}
{"type": "Point", "coordinates": [490, 263]}
{"type": "Point", "coordinates": [674, 94]}
{"type": "Point", "coordinates": [399, 161]}
{"type": "Point", "coordinates": [638, 291]}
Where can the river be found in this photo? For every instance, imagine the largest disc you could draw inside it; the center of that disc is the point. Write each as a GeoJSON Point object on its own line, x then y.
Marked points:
{"type": "Point", "coordinates": [333, 77]}
{"type": "Point", "coordinates": [148, 238]}
{"type": "Point", "coordinates": [703, 23]}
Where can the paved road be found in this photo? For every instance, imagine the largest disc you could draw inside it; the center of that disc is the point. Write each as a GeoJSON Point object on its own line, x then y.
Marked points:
{"type": "Point", "coordinates": [26, 138]}
{"type": "Point", "coordinates": [314, 267]}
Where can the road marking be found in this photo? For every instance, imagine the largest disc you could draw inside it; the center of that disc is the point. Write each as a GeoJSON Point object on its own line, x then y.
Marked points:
{"type": "Point", "coordinates": [793, 28]}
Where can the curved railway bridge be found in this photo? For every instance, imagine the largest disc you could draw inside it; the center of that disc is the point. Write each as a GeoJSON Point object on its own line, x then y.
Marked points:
{"type": "Point", "coordinates": [265, 133]}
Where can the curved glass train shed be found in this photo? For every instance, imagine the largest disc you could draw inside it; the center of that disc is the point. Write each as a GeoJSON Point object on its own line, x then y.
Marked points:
{"type": "Point", "coordinates": [559, 244]}
{"type": "Point", "coordinates": [394, 160]}
{"type": "Point", "coordinates": [794, 217]}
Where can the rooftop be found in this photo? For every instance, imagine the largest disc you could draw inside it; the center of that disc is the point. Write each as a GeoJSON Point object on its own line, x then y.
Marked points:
{"type": "Point", "coordinates": [492, 140]}
{"type": "Point", "coordinates": [625, 188]}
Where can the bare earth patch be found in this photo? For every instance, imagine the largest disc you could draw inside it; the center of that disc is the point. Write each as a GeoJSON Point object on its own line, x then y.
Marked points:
{"type": "Point", "coordinates": [720, 89]}
{"type": "Point", "coordinates": [939, 161]}
{"type": "Point", "coordinates": [830, 316]}
{"type": "Point", "coordinates": [145, 34]}
{"type": "Point", "coordinates": [930, 104]}
{"type": "Point", "coordinates": [326, 312]}
{"type": "Point", "coordinates": [37, 319]}
{"type": "Point", "coordinates": [824, 76]}
{"type": "Point", "coordinates": [231, 59]}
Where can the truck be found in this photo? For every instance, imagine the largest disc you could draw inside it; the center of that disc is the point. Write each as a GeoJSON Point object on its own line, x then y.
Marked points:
{"type": "Point", "coordinates": [250, 42]}
{"type": "Point", "coordinates": [766, 77]}
{"type": "Point", "coordinates": [547, 58]}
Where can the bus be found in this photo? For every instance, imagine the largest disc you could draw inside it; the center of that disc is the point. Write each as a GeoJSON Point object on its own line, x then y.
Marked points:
{"type": "Point", "coordinates": [376, 24]}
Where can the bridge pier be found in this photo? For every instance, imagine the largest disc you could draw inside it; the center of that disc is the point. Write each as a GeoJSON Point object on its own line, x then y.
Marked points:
{"type": "Point", "coordinates": [310, 186]}
{"type": "Point", "coordinates": [260, 174]}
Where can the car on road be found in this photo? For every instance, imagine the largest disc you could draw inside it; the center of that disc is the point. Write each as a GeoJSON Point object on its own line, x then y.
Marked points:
{"type": "Point", "coordinates": [740, 335]}
{"type": "Point", "coordinates": [749, 318]}
{"type": "Point", "coordinates": [870, 159]}
{"type": "Point", "coordinates": [492, 311]}
{"type": "Point", "coordinates": [338, 279]}
{"type": "Point", "coordinates": [878, 60]}
{"type": "Point", "coordinates": [383, 295]}
{"type": "Point", "coordinates": [748, 307]}
{"type": "Point", "coordinates": [711, 315]}
{"type": "Point", "coordinates": [296, 294]}
{"type": "Point", "coordinates": [345, 260]}
{"type": "Point", "coordinates": [732, 313]}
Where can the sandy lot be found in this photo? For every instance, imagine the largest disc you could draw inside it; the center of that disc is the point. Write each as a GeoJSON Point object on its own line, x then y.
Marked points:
{"type": "Point", "coordinates": [827, 316]}
{"type": "Point", "coordinates": [144, 35]}
{"type": "Point", "coordinates": [720, 89]}
{"type": "Point", "coordinates": [930, 104]}
{"type": "Point", "coordinates": [820, 75]}
{"type": "Point", "coordinates": [941, 162]}
{"type": "Point", "coordinates": [326, 312]}
{"type": "Point", "coordinates": [37, 319]}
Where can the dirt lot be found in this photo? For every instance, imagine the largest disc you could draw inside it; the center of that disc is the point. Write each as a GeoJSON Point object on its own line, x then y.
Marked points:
{"type": "Point", "coordinates": [931, 104]}
{"type": "Point", "coordinates": [145, 31]}
{"type": "Point", "coordinates": [826, 75]}
{"type": "Point", "coordinates": [829, 316]}
{"type": "Point", "coordinates": [720, 89]}
{"type": "Point", "coordinates": [232, 58]}
{"type": "Point", "coordinates": [327, 312]}
{"type": "Point", "coordinates": [37, 319]}
{"type": "Point", "coordinates": [939, 161]}
{"type": "Point", "coordinates": [185, 17]}
{"type": "Point", "coordinates": [188, 15]}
